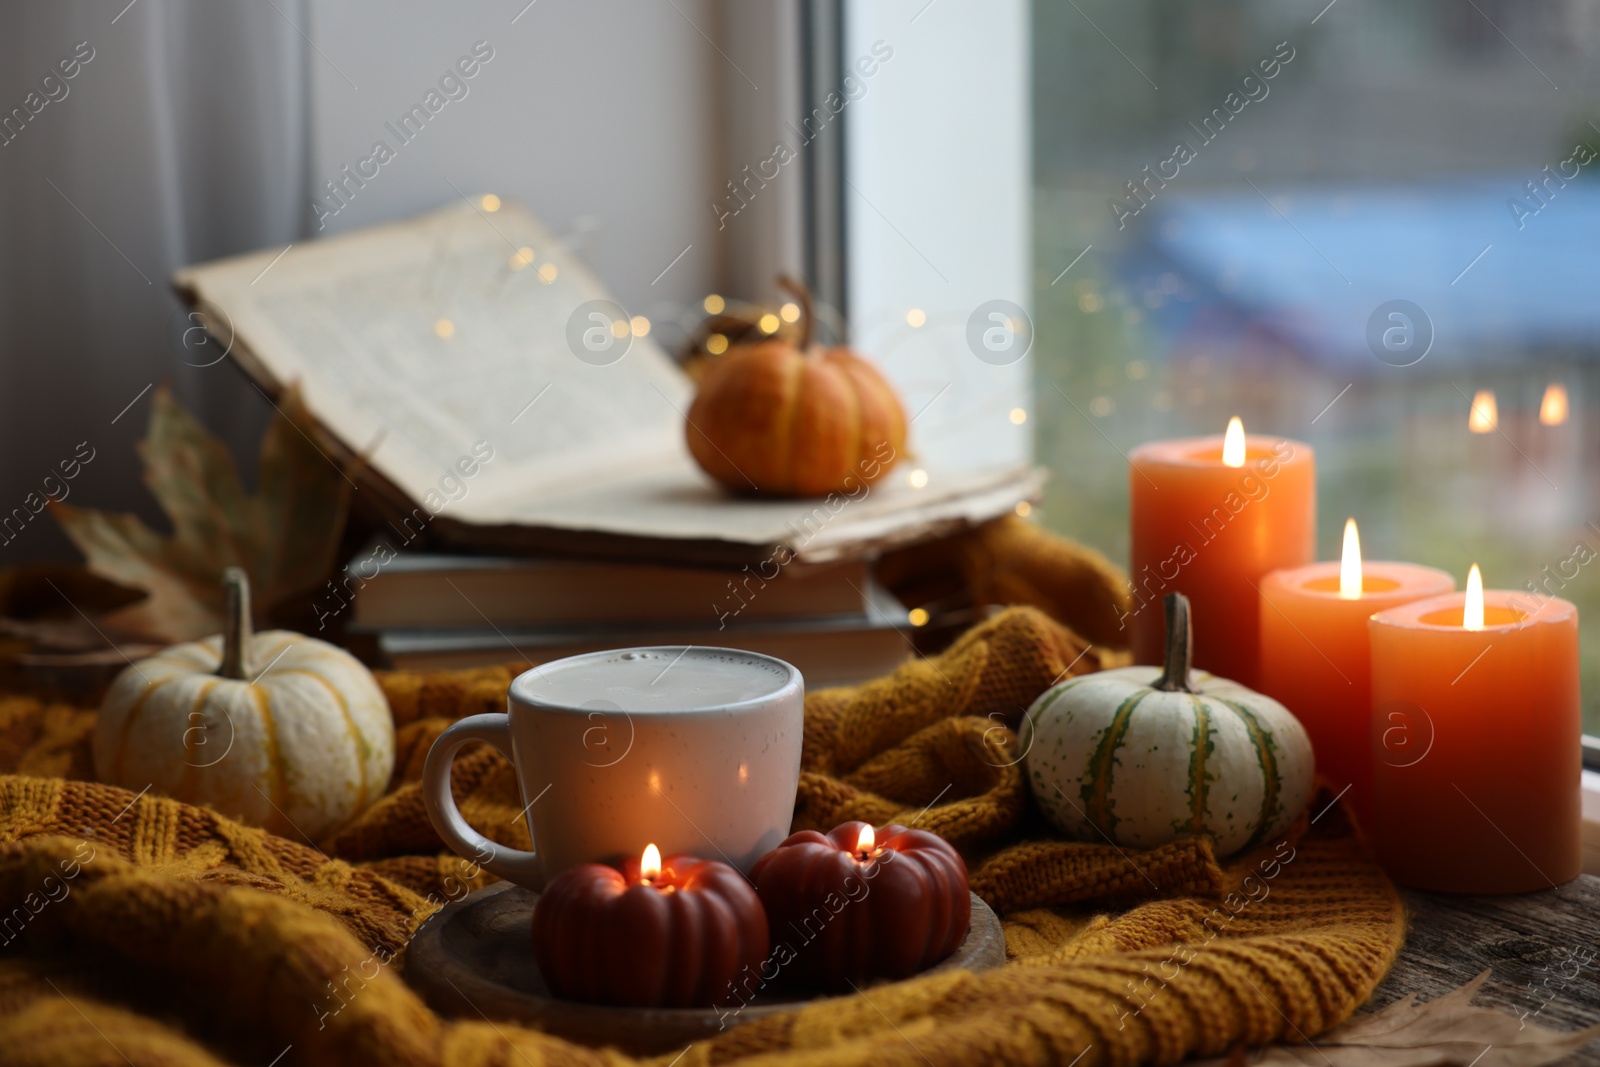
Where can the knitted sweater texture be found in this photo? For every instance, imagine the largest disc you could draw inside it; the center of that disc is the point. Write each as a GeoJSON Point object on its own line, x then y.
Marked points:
{"type": "Point", "coordinates": [136, 929]}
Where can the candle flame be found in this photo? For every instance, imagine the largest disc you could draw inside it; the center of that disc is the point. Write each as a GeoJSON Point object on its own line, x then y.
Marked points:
{"type": "Point", "coordinates": [1472, 610]}
{"type": "Point", "coordinates": [1233, 444]}
{"type": "Point", "coordinates": [1553, 409]}
{"type": "Point", "coordinates": [865, 842]}
{"type": "Point", "coordinates": [650, 864]}
{"type": "Point", "coordinates": [1350, 563]}
{"type": "Point", "coordinates": [1485, 416]}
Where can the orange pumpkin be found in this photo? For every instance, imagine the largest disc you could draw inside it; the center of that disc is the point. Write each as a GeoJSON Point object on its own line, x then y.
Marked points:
{"type": "Point", "coordinates": [779, 419]}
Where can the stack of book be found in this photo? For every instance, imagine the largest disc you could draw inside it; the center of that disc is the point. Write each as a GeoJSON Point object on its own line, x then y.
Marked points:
{"type": "Point", "coordinates": [431, 611]}
{"type": "Point", "coordinates": [543, 497]}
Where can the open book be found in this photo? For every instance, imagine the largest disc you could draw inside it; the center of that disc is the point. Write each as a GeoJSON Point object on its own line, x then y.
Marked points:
{"type": "Point", "coordinates": [445, 359]}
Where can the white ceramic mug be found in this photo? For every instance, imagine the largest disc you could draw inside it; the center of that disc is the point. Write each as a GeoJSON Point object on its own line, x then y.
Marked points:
{"type": "Point", "coordinates": [691, 749]}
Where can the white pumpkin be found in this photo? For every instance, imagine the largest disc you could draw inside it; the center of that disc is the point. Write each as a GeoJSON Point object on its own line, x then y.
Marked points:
{"type": "Point", "coordinates": [277, 729]}
{"type": "Point", "coordinates": [1141, 756]}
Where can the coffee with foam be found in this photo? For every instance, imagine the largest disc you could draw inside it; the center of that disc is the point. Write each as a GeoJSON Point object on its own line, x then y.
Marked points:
{"type": "Point", "coordinates": [656, 680]}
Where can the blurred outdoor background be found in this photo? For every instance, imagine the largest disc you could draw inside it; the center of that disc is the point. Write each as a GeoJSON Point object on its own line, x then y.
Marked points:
{"type": "Point", "coordinates": [1384, 161]}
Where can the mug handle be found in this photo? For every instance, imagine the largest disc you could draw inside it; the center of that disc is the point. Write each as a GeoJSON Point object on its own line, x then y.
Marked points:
{"type": "Point", "coordinates": [512, 864]}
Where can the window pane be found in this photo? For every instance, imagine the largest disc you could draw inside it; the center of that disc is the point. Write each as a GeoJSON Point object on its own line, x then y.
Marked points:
{"type": "Point", "coordinates": [1250, 224]}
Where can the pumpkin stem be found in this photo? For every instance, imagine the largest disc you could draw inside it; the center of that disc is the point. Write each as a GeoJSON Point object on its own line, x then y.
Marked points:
{"type": "Point", "coordinates": [1180, 646]}
{"type": "Point", "coordinates": [236, 631]}
{"type": "Point", "coordinates": [802, 296]}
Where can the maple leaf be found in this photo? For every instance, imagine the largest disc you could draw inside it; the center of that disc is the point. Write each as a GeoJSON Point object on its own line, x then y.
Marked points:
{"type": "Point", "coordinates": [51, 607]}
{"type": "Point", "coordinates": [1448, 1029]}
{"type": "Point", "coordinates": [286, 536]}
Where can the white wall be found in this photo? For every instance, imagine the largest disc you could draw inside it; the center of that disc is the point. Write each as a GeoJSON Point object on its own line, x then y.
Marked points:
{"type": "Point", "coordinates": [595, 114]}
{"type": "Point", "coordinates": [938, 153]}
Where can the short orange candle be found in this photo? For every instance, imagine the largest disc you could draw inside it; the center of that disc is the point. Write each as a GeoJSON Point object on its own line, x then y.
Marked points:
{"type": "Point", "coordinates": [1477, 736]}
{"type": "Point", "coordinates": [1316, 657]}
{"type": "Point", "coordinates": [1212, 516]}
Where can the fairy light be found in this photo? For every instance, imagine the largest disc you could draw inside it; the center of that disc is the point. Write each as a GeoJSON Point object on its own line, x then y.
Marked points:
{"type": "Point", "coordinates": [490, 203]}
{"type": "Point", "coordinates": [548, 272]}
{"type": "Point", "coordinates": [714, 304]}
{"type": "Point", "coordinates": [768, 323]}
{"type": "Point", "coordinates": [790, 312]}
{"type": "Point", "coordinates": [1018, 416]}
{"type": "Point", "coordinates": [1553, 408]}
{"type": "Point", "coordinates": [640, 325]}
{"type": "Point", "coordinates": [444, 329]}
{"type": "Point", "coordinates": [916, 317]}
{"type": "Point", "coordinates": [717, 344]}
{"type": "Point", "coordinates": [1485, 415]}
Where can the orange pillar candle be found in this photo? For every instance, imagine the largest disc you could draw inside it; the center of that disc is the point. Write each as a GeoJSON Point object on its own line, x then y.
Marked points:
{"type": "Point", "coordinates": [1211, 516]}
{"type": "Point", "coordinates": [1476, 735]}
{"type": "Point", "coordinates": [1316, 659]}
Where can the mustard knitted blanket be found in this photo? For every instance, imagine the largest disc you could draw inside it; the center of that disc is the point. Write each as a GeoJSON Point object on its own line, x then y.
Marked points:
{"type": "Point", "coordinates": [135, 929]}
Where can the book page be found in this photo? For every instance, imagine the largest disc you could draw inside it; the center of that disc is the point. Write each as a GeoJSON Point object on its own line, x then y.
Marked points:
{"type": "Point", "coordinates": [416, 341]}
{"type": "Point", "coordinates": [683, 503]}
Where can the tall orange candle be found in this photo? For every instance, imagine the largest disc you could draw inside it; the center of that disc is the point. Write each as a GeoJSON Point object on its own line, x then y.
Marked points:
{"type": "Point", "coordinates": [1212, 516]}
{"type": "Point", "coordinates": [1477, 737]}
{"type": "Point", "coordinates": [1316, 657]}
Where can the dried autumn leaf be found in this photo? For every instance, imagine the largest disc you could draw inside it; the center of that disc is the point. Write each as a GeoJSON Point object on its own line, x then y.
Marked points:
{"type": "Point", "coordinates": [52, 607]}
{"type": "Point", "coordinates": [1409, 1033]}
{"type": "Point", "coordinates": [286, 536]}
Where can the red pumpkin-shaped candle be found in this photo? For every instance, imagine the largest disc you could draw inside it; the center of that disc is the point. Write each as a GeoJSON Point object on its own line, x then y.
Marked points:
{"type": "Point", "coordinates": [670, 933]}
{"type": "Point", "coordinates": [858, 903]}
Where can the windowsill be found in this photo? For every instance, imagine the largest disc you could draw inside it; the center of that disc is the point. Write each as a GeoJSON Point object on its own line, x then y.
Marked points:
{"type": "Point", "coordinates": [1591, 822]}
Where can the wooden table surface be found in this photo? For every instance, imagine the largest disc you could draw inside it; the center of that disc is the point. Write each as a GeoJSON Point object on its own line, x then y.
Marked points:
{"type": "Point", "coordinates": [1543, 949]}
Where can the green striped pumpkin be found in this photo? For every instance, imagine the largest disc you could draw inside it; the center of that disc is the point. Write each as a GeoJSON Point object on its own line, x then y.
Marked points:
{"type": "Point", "coordinates": [1140, 756]}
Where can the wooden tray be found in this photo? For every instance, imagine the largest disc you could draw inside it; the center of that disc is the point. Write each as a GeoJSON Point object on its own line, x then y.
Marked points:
{"type": "Point", "coordinates": [474, 959]}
